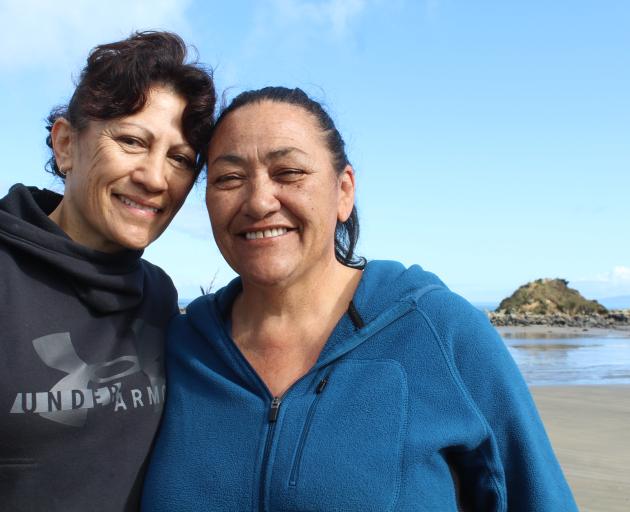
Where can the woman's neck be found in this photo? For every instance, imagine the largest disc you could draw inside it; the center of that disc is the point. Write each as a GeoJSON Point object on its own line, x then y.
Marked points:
{"type": "Point", "coordinates": [281, 330]}
{"type": "Point", "coordinates": [313, 295]}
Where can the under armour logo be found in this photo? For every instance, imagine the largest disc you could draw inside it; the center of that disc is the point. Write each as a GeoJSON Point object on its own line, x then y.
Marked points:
{"type": "Point", "coordinates": [68, 401]}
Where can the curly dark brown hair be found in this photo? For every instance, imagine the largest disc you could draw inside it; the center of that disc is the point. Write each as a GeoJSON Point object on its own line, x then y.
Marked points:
{"type": "Point", "coordinates": [117, 79]}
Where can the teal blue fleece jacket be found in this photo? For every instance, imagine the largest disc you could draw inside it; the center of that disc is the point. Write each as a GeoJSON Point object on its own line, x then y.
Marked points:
{"type": "Point", "coordinates": [413, 391]}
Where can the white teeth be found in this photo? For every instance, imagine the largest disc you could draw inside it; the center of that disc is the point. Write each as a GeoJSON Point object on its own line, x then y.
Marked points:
{"type": "Point", "coordinates": [267, 233]}
{"type": "Point", "coordinates": [133, 204]}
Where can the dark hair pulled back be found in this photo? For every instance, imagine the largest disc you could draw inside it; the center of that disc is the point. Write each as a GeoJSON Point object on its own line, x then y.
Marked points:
{"type": "Point", "coordinates": [346, 233]}
{"type": "Point", "coordinates": [118, 77]}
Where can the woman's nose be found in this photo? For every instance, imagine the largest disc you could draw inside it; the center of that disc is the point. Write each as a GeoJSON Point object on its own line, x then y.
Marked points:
{"type": "Point", "coordinates": [261, 199]}
{"type": "Point", "coordinates": [151, 173]}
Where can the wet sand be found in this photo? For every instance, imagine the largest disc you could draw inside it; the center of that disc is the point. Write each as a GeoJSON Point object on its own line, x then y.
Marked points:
{"type": "Point", "coordinates": [589, 427]}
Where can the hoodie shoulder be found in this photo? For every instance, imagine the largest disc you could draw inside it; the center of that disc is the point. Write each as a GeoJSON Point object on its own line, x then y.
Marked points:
{"type": "Point", "coordinates": [156, 273]}
{"type": "Point", "coordinates": [398, 280]}
{"type": "Point", "coordinates": [468, 338]}
{"type": "Point", "coordinates": [159, 285]}
{"type": "Point", "coordinates": [210, 313]}
{"type": "Point", "coordinates": [452, 316]}
{"type": "Point", "coordinates": [387, 283]}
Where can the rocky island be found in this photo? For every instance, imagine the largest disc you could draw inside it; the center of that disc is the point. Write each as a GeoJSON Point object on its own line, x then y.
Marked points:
{"type": "Point", "coordinates": [550, 302]}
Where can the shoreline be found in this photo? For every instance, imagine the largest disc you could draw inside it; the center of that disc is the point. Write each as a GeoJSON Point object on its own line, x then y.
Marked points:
{"type": "Point", "coordinates": [555, 331]}
{"type": "Point", "coordinates": [615, 320]}
{"type": "Point", "coordinates": [588, 429]}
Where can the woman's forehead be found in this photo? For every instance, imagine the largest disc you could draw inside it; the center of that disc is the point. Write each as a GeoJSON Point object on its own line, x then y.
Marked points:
{"type": "Point", "coordinates": [268, 124]}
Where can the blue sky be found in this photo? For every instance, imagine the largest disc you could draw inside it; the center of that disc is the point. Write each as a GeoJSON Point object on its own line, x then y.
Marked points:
{"type": "Point", "coordinates": [491, 139]}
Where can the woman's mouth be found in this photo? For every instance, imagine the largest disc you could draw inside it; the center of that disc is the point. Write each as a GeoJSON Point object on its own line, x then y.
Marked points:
{"type": "Point", "coordinates": [265, 233]}
{"type": "Point", "coordinates": [138, 206]}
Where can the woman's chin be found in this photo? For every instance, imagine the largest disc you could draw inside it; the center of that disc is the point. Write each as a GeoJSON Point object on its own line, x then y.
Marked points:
{"type": "Point", "coordinates": [269, 275]}
{"type": "Point", "coordinates": [126, 242]}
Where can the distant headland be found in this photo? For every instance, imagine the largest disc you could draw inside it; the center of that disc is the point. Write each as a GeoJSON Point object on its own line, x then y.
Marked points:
{"type": "Point", "coordinates": [550, 302]}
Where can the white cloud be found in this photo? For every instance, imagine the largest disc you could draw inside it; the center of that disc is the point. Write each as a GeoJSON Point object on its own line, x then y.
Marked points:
{"type": "Point", "coordinates": [335, 15]}
{"type": "Point", "coordinates": [620, 275]}
{"type": "Point", "coordinates": [41, 33]}
{"type": "Point", "coordinates": [615, 282]}
{"type": "Point", "coordinates": [293, 26]}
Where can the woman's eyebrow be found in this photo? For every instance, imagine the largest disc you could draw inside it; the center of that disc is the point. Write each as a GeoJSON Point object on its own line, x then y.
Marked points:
{"type": "Point", "coordinates": [150, 136]}
{"type": "Point", "coordinates": [270, 155]}
{"type": "Point", "coordinates": [229, 158]}
{"type": "Point", "coordinates": [147, 132]}
{"type": "Point", "coordinates": [274, 154]}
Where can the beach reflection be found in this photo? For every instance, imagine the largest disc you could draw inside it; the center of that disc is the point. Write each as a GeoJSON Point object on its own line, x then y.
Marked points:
{"type": "Point", "coordinates": [571, 359]}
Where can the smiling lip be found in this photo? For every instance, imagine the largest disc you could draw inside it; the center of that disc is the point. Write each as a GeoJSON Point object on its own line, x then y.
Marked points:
{"type": "Point", "coordinates": [266, 233]}
{"type": "Point", "coordinates": [138, 204]}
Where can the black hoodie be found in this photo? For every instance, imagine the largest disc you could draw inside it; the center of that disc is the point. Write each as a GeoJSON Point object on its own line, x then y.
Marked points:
{"type": "Point", "coordinates": [81, 364]}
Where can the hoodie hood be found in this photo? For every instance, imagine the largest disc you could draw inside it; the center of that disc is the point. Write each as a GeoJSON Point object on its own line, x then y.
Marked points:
{"type": "Point", "coordinates": [386, 283]}
{"type": "Point", "coordinates": [105, 282]}
{"type": "Point", "coordinates": [387, 291]}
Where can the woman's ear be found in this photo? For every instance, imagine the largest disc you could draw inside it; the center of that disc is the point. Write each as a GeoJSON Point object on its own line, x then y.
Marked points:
{"type": "Point", "coordinates": [346, 193]}
{"type": "Point", "coordinates": [62, 135]}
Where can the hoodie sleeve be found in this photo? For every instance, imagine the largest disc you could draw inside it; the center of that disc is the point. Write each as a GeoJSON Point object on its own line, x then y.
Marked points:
{"type": "Point", "coordinates": [516, 455]}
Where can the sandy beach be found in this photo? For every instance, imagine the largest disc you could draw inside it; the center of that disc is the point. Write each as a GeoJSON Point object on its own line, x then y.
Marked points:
{"type": "Point", "coordinates": [589, 427]}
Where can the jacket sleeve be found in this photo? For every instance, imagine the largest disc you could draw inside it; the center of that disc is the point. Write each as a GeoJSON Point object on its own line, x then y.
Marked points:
{"type": "Point", "coordinates": [516, 456]}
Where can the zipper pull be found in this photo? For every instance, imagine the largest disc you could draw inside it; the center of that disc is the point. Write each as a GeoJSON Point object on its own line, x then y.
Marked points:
{"type": "Point", "coordinates": [273, 411]}
{"type": "Point", "coordinates": [321, 385]}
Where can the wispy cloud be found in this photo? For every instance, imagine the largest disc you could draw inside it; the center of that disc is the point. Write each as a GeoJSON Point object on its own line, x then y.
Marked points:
{"type": "Point", "coordinates": [295, 23]}
{"type": "Point", "coordinates": [332, 15]}
{"type": "Point", "coordinates": [620, 274]}
{"type": "Point", "coordinates": [281, 27]}
{"type": "Point", "coordinates": [39, 34]}
{"type": "Point", "coordinates": [606, 284]}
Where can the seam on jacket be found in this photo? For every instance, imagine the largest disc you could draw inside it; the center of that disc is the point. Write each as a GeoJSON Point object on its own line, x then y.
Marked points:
{"type": "Point", "coordinates": [471, 403]}
{"type": "Point", "coordinates": [373, 327]}
{"type": "Point", "coordinates": [423, 291]}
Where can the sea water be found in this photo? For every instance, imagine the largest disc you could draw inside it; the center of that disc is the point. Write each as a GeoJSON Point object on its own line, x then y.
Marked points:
{"type": "Point", "coordinates": [571, 360]}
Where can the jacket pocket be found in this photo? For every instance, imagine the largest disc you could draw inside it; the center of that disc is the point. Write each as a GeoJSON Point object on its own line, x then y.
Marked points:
{"type": "Point", "coordinates": [305, 430]}
{"type": "Point", "coordinates": [349, 454]}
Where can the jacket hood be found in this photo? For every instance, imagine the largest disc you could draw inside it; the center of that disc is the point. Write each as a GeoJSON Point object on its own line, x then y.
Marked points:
{"type": "Point", "coordinates": [386, 283]}
{"type": "Point", "coordinates": [105, 282]}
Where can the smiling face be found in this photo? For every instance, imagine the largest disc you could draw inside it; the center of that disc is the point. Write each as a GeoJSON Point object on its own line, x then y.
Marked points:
{"type": "Point", "coordinates": [273, 196]}
{"type": "Point", "coordinates": [126, 177]}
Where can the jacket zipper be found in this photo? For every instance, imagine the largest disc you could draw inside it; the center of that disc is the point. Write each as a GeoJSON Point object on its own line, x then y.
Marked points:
{"type": "Point", "coordinates": [307, 426]}
{"type": "Point", "coordinates": [272, 416]}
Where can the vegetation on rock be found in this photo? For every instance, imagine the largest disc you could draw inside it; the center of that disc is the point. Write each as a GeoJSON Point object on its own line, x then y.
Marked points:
{"type": "Point", "coordinates": [548, 297]}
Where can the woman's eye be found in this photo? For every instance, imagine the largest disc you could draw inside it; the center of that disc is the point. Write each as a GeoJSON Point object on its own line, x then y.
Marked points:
{"type": "Point", "coordinates": [289, 174]}
{"type": "Point", "coordinates": [228, 181]}
{"type": "Point", "coordinates": [130, 141]}
{"type": "Point", "coordinates": [183, 161]}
